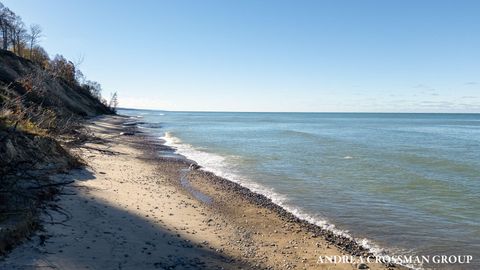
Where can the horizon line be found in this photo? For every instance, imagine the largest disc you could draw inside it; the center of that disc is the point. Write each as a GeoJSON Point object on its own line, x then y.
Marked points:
{"type": "Point", "coordinates": [122, 108]}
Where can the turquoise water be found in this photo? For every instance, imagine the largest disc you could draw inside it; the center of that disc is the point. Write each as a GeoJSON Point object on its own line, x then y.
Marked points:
{"type": "Point", "coordinates": [401, 183]}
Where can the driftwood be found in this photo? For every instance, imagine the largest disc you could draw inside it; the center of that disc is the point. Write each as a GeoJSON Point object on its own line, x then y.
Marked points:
{"type": "Point", "coordinates": [104, 151]}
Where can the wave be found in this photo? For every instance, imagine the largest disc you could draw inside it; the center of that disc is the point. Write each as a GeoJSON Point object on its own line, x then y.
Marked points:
{"type": "Point", "coordinates": [220, 166]}
{"type": "Point", "coordinates": [151, 125]}
{"type": "Point", "coordinates": [293, 132]}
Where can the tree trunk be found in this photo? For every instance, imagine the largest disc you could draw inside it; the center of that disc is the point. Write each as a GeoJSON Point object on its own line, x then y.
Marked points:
{"type": "Point", "coordinates": [5, 38]}
{"type": "Point", "coordinates": [14, 43]}
{"type": "Point", "coordinates": [19, 47]}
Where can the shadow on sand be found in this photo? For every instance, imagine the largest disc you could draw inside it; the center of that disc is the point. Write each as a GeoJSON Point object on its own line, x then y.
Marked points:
{"type": "Point", "coordinates": [97, 235]}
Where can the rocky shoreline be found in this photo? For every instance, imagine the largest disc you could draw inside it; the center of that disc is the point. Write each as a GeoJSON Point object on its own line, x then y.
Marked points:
{"type": "Point", "coordinates": [347, 244]}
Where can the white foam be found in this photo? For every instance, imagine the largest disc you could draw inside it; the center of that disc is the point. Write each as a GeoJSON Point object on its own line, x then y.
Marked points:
{"type": "Point", "coordinates": [347, 157]}
{"type": "Point", "coordinates": [219, 165]}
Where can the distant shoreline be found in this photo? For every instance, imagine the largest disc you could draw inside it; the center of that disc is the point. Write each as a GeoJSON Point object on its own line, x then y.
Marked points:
{"type": "Point", "coordinates": [275, 112]}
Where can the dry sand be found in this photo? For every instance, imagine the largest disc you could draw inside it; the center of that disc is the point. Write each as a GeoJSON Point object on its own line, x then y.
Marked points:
{"type": "Point", "coordinates": [130, 210]}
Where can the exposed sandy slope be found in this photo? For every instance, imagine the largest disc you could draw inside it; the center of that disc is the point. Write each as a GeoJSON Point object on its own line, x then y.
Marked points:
{"type": "Point", "coordinates": [129, 211]}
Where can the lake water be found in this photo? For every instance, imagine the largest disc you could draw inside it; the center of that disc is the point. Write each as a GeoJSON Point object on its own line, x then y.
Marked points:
{"type": "Point", "coordinates": [401, 183]}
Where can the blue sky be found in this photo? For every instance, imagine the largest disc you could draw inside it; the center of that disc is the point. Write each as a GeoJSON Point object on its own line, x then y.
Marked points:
{"type": "Point", "coordinates": [259, 55]}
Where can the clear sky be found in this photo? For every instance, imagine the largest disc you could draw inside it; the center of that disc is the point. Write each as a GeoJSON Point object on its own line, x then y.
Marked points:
{"type": "Point", "coordinates": [271, 55]}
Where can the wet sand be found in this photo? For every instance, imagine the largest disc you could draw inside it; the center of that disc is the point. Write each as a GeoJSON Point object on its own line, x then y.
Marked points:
{"type": "Point", "coordinates": [139, 206]}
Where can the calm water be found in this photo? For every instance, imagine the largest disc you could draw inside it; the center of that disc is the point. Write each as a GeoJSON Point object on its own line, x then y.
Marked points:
{"type": "Point", "coordinates": [404, 183]}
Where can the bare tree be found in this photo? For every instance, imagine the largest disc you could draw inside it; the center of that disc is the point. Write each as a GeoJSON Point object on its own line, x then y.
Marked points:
{"type": "Point", "coordinates": [112, 105]}
{"type": "Point", "coordinates": [13, 30]}
{"type": "Point", "coordinates": [18, 35]}
{"type": "Point", "coordinates": [3, 26]}
{"type": "Point", "coordinates": [34, 37]}
{"type": "Point", "coordinates": [79, 76]}
{"type": "Point", "coordinates": [7, 19]}
{"type": "Point", "coordinates": [95, 88]}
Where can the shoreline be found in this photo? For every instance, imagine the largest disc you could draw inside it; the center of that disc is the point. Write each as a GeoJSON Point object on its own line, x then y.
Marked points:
{"type": "Point", "coordinates": [131, 185]}
{"type": "Point", "coordinates": [338, 238]}
{"type": "Point", "coordinates": [345, 243]}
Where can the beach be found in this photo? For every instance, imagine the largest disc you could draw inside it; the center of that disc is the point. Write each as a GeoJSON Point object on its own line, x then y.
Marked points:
{"type": "Point", "coordinates": [133, 208]}
{"type": "Point", "coordinates": [246, 135]}
{"type": "Point", "coordinates": [239, 135]}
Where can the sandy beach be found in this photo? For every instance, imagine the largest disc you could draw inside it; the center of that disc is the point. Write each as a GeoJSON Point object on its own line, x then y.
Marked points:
{"type": "Point", "coordinates": [138, 206]}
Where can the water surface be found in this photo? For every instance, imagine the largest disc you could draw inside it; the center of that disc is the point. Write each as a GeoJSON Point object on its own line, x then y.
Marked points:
{"type": "Point", "coordinates": [405, 183]}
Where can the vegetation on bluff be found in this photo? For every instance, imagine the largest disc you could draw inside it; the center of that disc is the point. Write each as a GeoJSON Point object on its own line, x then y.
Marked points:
{"type": "Point", "coordinates": [26, 96]}
{"type": "Point", "coordinates": [43, 102]}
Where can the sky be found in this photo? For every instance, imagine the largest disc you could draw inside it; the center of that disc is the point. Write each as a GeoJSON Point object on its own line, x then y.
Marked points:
{"type": "Point", "coordinates": [271, 55]}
